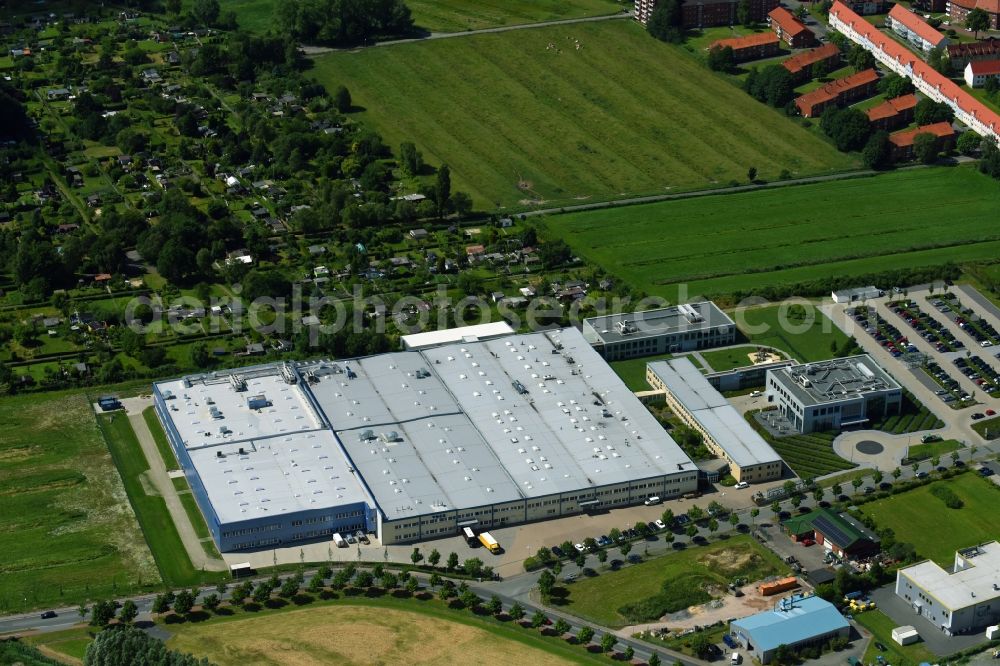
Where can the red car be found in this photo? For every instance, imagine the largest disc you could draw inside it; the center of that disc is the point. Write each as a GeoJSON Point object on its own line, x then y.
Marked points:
{"type": "Point", "coordinates": [807, 542]}
{"type": "Point", "coordinates": [990, 412]}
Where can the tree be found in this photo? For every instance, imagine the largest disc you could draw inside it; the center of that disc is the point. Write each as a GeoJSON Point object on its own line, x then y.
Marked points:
{"type": "Point", "coordinates": [695, 513]}
{"type": "Point", "coordinates": [412, 585]}
{"type": "Point", "coordinates": [925, 148]}
{"type": "Point", "coordinates": [211, 602]}
{"type": "Point", "coordinates": [128, 612]}
{"type": "Point", "coordinates": [240, 593]}
{"type": "Point", "coordinates": [654, 659]}
{"type": "Point", "coordinates": [968, 143]}
{"type": "Point", "coordinates": [775, 507]}
{"type": "Point", "coordinates": [877, 153]}
{"type": "Point", "coordinates": [700, 645]}
{"type": "Point", "coordinates": [342, 99]}
{"type": "Point", "coordinates": [692, 531]}
{"type": "Point", "coordinates": [860, 59]}
{"type": "Point", "coordinates": [752, 174]}
{"type": "Point", "coordinates": [452, 563]}
{"type": "Point", "coordinates": [743, 14]}
{"type": "Point", "coordinates": [585, 635]}
{"type": "Point", "coordinates": [667, 517]}
{"type": "Point", "coordinates": [205, 12]}
{"type": "Point", "coordinates": [262, 593]}
{"type": "Point", "coordinates": [849, 128]}
{"type": "Point", "coordinates": [538, 619]}
{"type": "Point", "coordinates": [608, 642]}
{"type": "Point", "coordinates": [161, 604]}
{"type": "Point", "coordinates": [929, 112]}
{"type": "Point", "coordinates": [666, 22]}
{"type": "Point", "coordinates": [782, 654]}
{"type": "Point", "coordinates": [856, 482]}
{"type": "Point", "coordinates": [469, 599]}
{"type": "Point", "coordinates": [629, 653]}
{"type": "Point", "coordinates": [818, 494]}
{"type": "Point", "coordinates": [129, 645]}
{"type": "Point", "coordinates": [754, 512]}
{"type": "Point", "coordinates": [184, 602]}
{"type": "Point", "coordinates": [819, 69]}
{"type": "Point", "coordinates": [102, 613]}
{"type": "Point", "coordinates": [461, 203]}
{"type": "Point", "coordinates": [734, 520]}
{"type": "Point", "coordinates": [434, 558]}
{"type": "Point", "coordinates": [442, 190]}
{"type": "Point", "coordinates": [410, 158]}
{"type": "Point", "coordinates": [545, 583]}
{"type": "Point", "coordinates": [494, 606]}
{"type": "Point", "coordinates": [721, 59]}
{"type": "Point", "coordinates": [877, 476]}
{"type": "Point", "coordinates": [290, 587]}
{"type": "Point", "coordinates": [473, 566]}
{"type": "Point", "coordinates": [893, 85]}
{"type": "Point", "coordinates": [977, 20]}
{"type": "Point", "coordinates": [415, 556]}
{"type": "Point", "coordinates": [713, 525]}
{"type": "Point", "coordinates": [937, 60]}
{"type": "Point", "coordinates": [516, 612]}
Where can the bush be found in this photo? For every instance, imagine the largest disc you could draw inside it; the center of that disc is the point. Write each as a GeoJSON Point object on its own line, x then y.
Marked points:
{"type": "Point", "coordinates": [948, 496]}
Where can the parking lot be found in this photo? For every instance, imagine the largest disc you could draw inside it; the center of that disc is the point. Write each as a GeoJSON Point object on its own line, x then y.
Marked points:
{"type": "Point", "coordinates": [959, 373]}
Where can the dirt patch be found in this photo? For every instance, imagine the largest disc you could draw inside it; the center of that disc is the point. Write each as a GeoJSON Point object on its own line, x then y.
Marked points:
{"type": "Point", "coordinates": [729, 560]}
{"type": "Point", "coordinates": [316, 637]}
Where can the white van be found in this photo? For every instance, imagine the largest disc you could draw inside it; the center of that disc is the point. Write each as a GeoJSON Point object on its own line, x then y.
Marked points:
{"type": "Point", "coordinates": [652, 500]}
{"type": "Point", "coordinates": [339, 540]}
{"type": "Point", "coordinates": [735, 659]}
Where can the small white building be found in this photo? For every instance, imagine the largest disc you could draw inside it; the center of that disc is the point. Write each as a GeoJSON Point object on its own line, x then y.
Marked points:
{"type": "Point", "coordinates": [905, 635]}
{"type": "Point", "coordinates": [857, 294]}
{"type": "Point", "coordinates": [978, 73]}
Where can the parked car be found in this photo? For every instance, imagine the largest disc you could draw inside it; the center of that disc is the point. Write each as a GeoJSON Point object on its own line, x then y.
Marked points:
{"type": "Point", "coordinates": [978, 415]}
{"type": "Point", "coordinates": [986, 471]}
{"type": "Point", "coordinates": [604, 540]}
{"type": "Point", "coordinates": [808, 542]}
{"type": "Point", "coordinates": [569, 578]}
{"type": "Point", "coordinates": [48, 615]}
{"type": "Point", "coordinates": [660, 525]}
{"type": "Point", "coordinates": [921, 475]}
{"type": "Point", "coordinates": [362, 537]}
{"type": "Point", "coordinates": [557, 551]}
{"type": "Point", "coordinates": [741, 485]}
{"type": "Point", "coordinates": [990, 412]}
{"type": "Point", "coordinates": [580, 548]}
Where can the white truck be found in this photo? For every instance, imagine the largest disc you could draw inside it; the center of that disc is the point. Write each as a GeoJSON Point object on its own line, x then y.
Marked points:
{"type": "Point", "coordinates": [339, 540]}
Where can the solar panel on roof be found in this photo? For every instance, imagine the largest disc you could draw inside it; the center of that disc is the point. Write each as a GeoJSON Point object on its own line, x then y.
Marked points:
{"type": "Point", "coordinates": [832, 531]}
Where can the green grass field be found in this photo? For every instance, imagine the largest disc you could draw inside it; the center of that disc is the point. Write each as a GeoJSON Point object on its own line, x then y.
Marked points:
{"type": "Point", "coordinates": [450, 15]}
{"type": "Point", "coordinates": [725, 244]}
{"type": "Point", "coordinates": [162, 445]}
{"type": "Point", "coordinates": [881, 627]}
{"type": "Point", "coordinates": [809, 337]}
{"type": "Point", "coordinates": [67, 533]}
{"type": "Point", "coordinates": [157, 525]}
{"type": "Point", "coordinates": [920, 518]}
{"type": "Point", "coordinates": [988, 429]}
{"type": "Point", "coordinates": [810, 455]}
{"type": "Point", "coordinates": [459, 15]}
{"type": "Point", "coordinates": [728, 359]}
{"type": "Point", "coordinates": [599, 598]}
{"type": "Point", "coordinates": [526, 116]}
{"type": "Point", "coordinates": [633, 371]}
{"type": "Point", "coordinates": [932, 449]}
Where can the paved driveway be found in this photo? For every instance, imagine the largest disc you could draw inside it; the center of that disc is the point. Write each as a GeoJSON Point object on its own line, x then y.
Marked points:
{"type": "Point", "coordinates": [900, 612]}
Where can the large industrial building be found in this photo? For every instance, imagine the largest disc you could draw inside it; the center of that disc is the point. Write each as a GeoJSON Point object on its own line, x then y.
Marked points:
{"type": "Point", "coordinates": [960, 601]}
{"type": "Point", "coordinates": [830, 395]}
{"type": "Point", "coordinates": [796, 622]}
{"type": "Point", "coordinates": [725, 431]}
{"type": "Point", "coordinates": [412, 445]}
{"type": "Point", "coordinates": [666, 330]}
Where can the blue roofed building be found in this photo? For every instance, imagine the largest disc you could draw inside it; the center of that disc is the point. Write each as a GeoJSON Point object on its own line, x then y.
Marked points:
{"type": "Point", "coordinates": [796, 621]}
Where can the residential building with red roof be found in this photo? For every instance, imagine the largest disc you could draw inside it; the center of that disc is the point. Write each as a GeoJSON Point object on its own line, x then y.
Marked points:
{"type": "Point", "coordinates": [894, 56]}
{"type": "Point", "coordinates": [959, 9]}
{"type": "Point", "coordinates": [800, 65]}
{"type": "Point", "coordinates": [960, 55]}
{"type": "Point", "coordinates": [893, 113]}
{"type": "Point", "coordinates": [979, 72]}
{"type": "Point", "coordinates": [914, 29]}
{"type": "Point", "coordinates": [790, 29]}
{"type": "Point", "coordinates": [838, 93]}
{"type": "Point", "coordinates": [707, 13]}
{"type": "Point", "coordinates": [751, 47]}
{"type": "Point", "coordinates": [902, 142]}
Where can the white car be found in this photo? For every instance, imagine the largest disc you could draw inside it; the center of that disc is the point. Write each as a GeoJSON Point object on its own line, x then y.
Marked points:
{"type": "Point", "coordinates": [741, 485]}
{"type": "Point", "coordinates": [660, 525]}
{"type": "Point", "coordinates": [579, 547]}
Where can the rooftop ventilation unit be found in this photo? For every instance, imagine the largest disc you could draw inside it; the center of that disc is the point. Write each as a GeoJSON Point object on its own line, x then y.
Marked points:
{"type": "Point", "coordinates": [422, 373]}
{"type": "Point", "coordinates": [367, 435]}
{"type": "Point", "coordinates": [519, 387]}
{"type": "Point", "coordinates": [391, 436]}
{"type": "Point", "coordinates": [626, 327]}
{"type": "Point", "coordinates": [258, 402]}
{"type": "Point", "coordinates": [288, 374]}
{"type": "Point", "coordinates": [238, 383]}
{"type": "Point", "coordinates": [690, 313]}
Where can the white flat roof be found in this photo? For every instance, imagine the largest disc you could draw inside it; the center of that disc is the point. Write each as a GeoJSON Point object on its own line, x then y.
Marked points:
{"type": "Point", "coordinates": [463, 333]}
{"type": "Point", "coordinates": [968, 587]}
{"type": "Point", "coordinates": [448, 428]}
{"type": "Point", "coordinates": [725, 425]}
